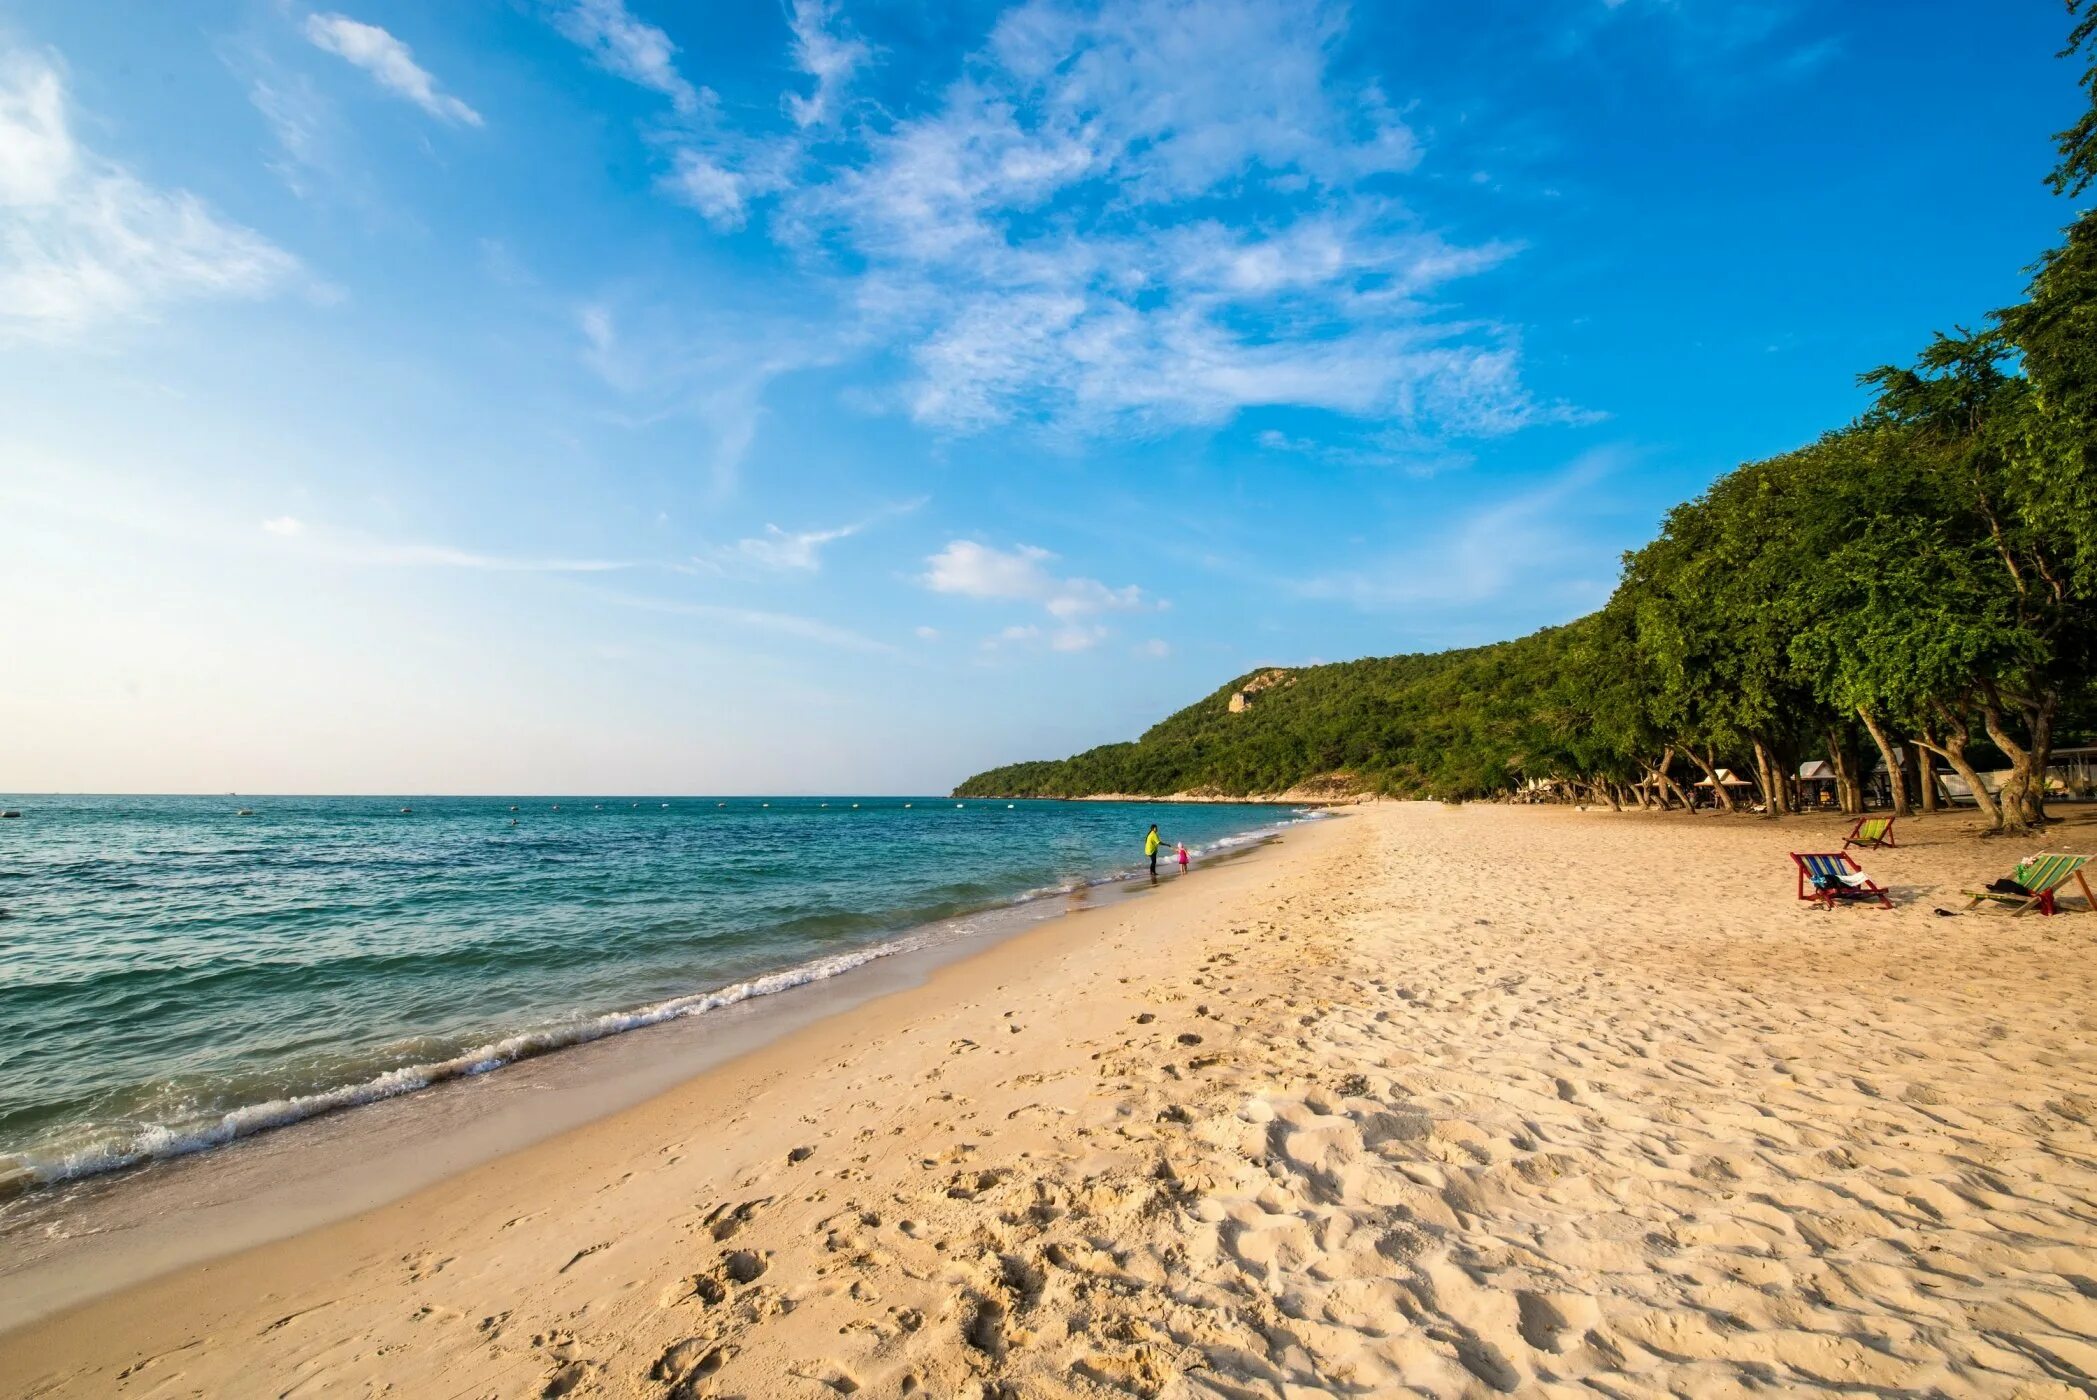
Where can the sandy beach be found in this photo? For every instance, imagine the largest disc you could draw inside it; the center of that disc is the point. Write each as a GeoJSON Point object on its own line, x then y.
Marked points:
{"type": "Point", "coordinates": [1455, 1100]}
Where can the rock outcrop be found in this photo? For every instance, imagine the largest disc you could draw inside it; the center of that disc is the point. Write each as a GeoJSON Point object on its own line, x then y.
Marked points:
{"type": "Point", "coordinates": [1241, 700]}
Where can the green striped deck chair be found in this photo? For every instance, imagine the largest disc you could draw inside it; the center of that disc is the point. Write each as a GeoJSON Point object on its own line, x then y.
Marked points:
{"type": "Point", "coordinates": [2042, 878]}
{"type": "Point", "coordinates": [1870, 831]}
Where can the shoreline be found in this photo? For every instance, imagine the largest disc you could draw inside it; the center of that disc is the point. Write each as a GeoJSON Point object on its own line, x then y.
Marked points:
{"type": "Point", "coordinates": [191, 1207]}
{"type": "Point", "coordinates": [1368, 1108]}
{"type": "Point", "coordinates": [27, 1176]}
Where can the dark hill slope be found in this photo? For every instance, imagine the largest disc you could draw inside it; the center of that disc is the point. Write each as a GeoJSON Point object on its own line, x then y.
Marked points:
{"type": "Point", "coordinates": [1453, 723]}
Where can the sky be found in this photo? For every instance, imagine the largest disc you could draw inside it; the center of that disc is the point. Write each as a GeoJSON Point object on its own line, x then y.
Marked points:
{"type": "Point", "coordinates": [637, 396]}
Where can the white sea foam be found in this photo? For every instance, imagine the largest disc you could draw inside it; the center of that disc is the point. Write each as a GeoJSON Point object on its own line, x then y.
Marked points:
{"type": "Point", "coordinates": [160, 1141]}
{"type": "Point", "coordinates": [156, 1142]}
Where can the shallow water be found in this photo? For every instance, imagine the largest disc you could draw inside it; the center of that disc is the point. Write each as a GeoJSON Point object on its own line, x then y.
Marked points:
{"type": "Point", "coordinates": [174, 975]}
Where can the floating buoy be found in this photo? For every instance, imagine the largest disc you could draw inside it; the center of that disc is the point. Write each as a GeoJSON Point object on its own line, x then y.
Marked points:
{"type": "Point", "coordinates": [513, 806]}
{"type": "Point", "coordinates": [10, 814]}
{"type": "Point", "coordinates": [556, 806]}
{"type": "Point", "coordinates": [666, 805]}
{"type": "Point", "coordinates": [906, 804]}
{"type": "Point", "coordinates": [855, 806]}
{"type": "Point", "coordinates": [405, 811]}
{"type": "Point", "coordinates": [245, 812]}
{"type": "Point", "coordinates": [1008, 806]}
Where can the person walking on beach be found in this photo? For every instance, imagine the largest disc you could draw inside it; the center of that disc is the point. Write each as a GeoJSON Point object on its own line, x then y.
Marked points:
{"type": "Point", "coordinates": [1151, 843]}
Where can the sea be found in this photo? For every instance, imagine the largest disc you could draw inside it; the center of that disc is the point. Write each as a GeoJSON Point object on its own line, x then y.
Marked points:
{"type": "Point", "coordinates": [179, 973]}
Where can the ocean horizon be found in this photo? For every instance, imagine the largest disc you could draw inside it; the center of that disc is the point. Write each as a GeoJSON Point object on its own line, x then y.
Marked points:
{"type": "Point", "coordinates": [185, 971]}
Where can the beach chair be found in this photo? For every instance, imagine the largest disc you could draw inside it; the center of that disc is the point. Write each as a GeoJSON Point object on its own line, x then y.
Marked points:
{"type": "Point", "coordinates": [1870, 831]}
{"type": "Point", "coordinates": [1821, 880]}
{"type": "Point", "coordinates": [2042, 877]}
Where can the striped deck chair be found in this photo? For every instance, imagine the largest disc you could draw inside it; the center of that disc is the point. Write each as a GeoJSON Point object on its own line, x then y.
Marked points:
{"type": "Point", "coordinates": [1870, 831]}
{"type": "Point", "coordinates": [1820, 880]}
{"type": "Point", "coordinates": [2042, 877]}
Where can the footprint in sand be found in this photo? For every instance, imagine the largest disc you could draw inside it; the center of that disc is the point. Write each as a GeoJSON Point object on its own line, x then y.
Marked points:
{"type": "Point", "coordinates": [725, 1221]}
{"type": "Point", "coordinates": [684, 1362]}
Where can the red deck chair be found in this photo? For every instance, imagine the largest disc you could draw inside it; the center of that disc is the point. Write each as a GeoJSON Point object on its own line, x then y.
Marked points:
{"type": "Point", "coordinates": [1870, 831]}
{"type": "Point", "coordinates": [1832, 865]}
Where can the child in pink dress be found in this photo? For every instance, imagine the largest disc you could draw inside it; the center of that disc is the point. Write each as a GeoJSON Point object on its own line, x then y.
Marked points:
{"type": "Point", "coordinates": [1182, 849]}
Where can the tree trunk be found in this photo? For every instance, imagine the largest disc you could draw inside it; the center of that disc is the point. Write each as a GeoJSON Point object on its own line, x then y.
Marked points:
{"type": "Point", "coordinates": [1769, 780]}
{"type": "Point", "coordinates": [2016, 792]}
{"type": "Point", "coordinates": [1668, 783]}
{"type": "Point", "coordinates": [2024, 795]}
{"type": "Point", "coordinates": [1608, 791]}
{"type": "Point", "coordinates": [1886, 755]}
{"type": "Point", "coordinates": [1718, 789]}
{"type": "Point", "coordinates": [1954, 750]}
{"type": "Point", "coordinates": [1926, 779]}
{"type": "Point", "coordinates": [2040, 720]}
{"type": "Point", "coordinates": [1847, 792]}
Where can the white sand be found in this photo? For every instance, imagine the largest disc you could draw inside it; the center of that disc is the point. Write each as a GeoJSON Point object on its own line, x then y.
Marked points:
{"type": "Point", "coordinates": [1457, 1100]}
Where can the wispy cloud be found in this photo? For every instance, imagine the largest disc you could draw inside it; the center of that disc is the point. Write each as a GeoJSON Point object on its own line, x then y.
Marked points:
{"type": "Point", "coordinates": [1531, 541]}
{"type": "Point", "coordinates": [968, 569]}
{"type": "Point", "coordinates": [627, 47]}
{"type": "Point", "coordinates": [83, 241]}
{"type": "Point", "coordinates": [1044, 243]}
{"type": "Point", "coordinates": [716, 375]}
{"type": "Point", "coordinates": [336, 546]}
{"type": "Point", "coordinates": [723, 172]}
{"type": "Point", "coordinates": [794, 551]}
{"type": "Point", "coordinates": [390, 63]}
{"type": "Point", "coordinates": [1382, 450]}
{"type": "Point", "coordinates": [826, 53]}
{"type": "Point", "coordinates": [757, 619]}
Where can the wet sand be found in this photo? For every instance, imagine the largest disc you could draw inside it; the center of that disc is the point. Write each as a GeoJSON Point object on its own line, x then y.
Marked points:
{"type": "Point", "coordinates": [1463, 1100]}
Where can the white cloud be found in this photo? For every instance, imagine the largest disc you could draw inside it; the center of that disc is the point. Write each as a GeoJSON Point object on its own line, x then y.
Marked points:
{"type": "Point", "coordinates": [826, 55]}
{"type": "Point", "coordinates": [84, 241]}
{"type": "Point", "coordinates": [389, 62]}
{"type": "Point", "coordinates": [627, 47]}
{"type": "Point", "coordinates": [1077, 638]}
{"type": "Point", "coordinates": [283, 525]}
{"type": "Point", "coordinates": [798, 550]}
{"type": "Point", "coordinates": [1530, 541]}
{"type": "Point", "coordinates": [1044, 242]}
{"type": "Point", "coordinates": [717, 374]}
{"type": "Point", "coordinates": [927, 634]}
{"type": "Point", "coordinates": [971, 570]}
{"type": "Point", "coordinates": [721, 173]}
{"type": "Point", "coordinates": [1156, 649]}
{"type": "Point", "coordinates": [979, 571]}
{"type": "Point", "coordinates": [1017, 634]}
{"type": "Point", "coordinates": [802, 549]}
{"type": "Point", "coordinates": [721, 190]}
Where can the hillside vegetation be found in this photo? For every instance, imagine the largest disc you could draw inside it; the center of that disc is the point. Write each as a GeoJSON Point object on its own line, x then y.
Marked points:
{"type": "Point", "coordinates": [1429, 724]}
{"type": "Point", "coordinates": [1920, 581]}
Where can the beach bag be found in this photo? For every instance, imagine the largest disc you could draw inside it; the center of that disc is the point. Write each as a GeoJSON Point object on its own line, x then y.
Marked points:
{"type": "Point", "coordinates": [2009, 887]}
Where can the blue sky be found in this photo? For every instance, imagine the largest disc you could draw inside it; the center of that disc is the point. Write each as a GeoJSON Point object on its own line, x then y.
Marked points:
{"type": "Point", "coordinates": [641, 395]}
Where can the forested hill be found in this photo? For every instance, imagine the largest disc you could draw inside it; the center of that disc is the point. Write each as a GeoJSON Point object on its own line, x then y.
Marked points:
{"type": "Point", "coordinates": [1445, 723]}
{"type": "Point", "coordinates": [1922, 580]}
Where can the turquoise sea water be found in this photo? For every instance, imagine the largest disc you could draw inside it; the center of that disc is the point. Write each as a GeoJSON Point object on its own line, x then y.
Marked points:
{"type": "Point", "coordinates": [174, 975]}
